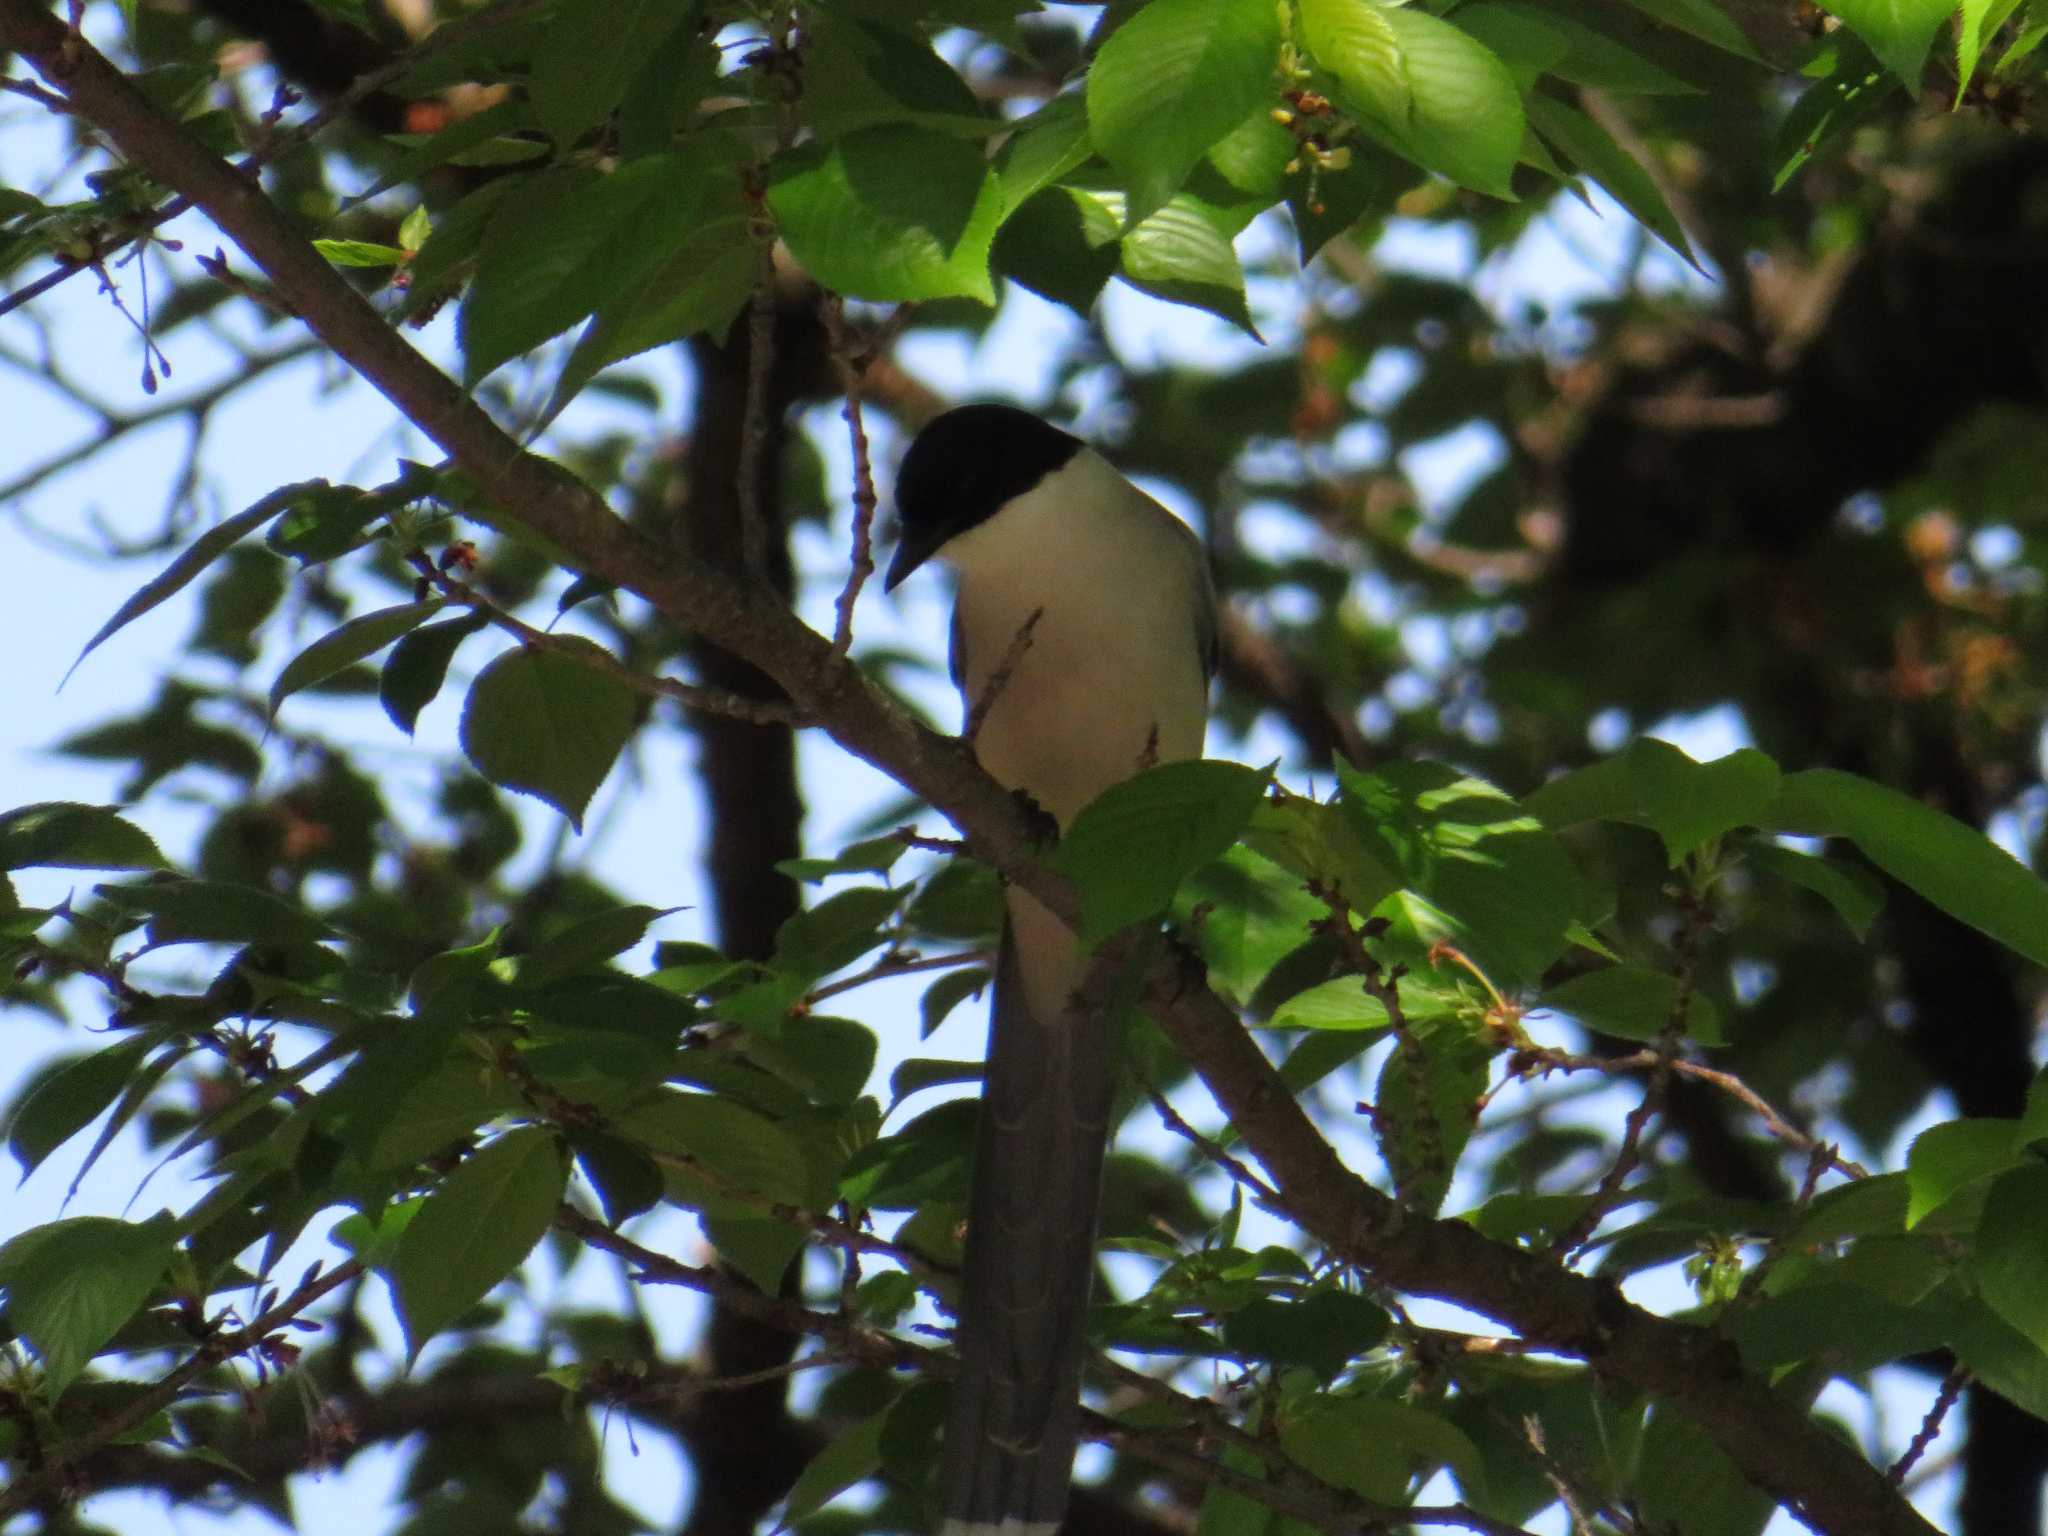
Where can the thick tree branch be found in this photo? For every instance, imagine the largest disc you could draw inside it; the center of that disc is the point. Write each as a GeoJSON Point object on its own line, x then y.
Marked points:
{"type": "Point", "coordinates": [1776, 1445]}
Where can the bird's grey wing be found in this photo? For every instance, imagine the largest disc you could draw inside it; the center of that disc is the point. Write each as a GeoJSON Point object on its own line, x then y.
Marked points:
{"type": "Point", "coordinates": [1015, 1411]}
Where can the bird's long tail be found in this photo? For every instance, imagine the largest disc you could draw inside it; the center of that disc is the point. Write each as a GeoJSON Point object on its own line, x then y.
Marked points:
{"type": "Point", "coordinates": [1015, 1414]}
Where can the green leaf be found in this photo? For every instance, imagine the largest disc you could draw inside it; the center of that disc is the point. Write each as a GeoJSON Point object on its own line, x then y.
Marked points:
{"type": "Point", "coordinates": [71, 1284]}
{"type": "Point", "coordinates": [700, 277]}
{"type": "Point", "coordinates": [414, 229]}
{"type": "Point", "coordinates": [834, 933]}
{"type": "Point", "coordinates": [63, 1102]}
{"type": "Point", "coordinates": [1173, 80]}
{"type": "Point", "coordinates": [1633, 1002]}
{"type": "Point", "coordinates": [546, 724]}
{"type": "Point", "coordinates": [418, 665]}
{"type": "Point", "coordinates": [1062, 245]}
{"type": "Point", "coordinates": [859, 74]}
{"type": "Point", "coordinates": [1434, 91]}
{"type": "Point", "coordinates": [590, 53]}
{"type": "Point", "coordinates": [1130, 848]}
{"type": "Point", "coordinates": [1687, 1485]}
{"type": "Point", "coordinates": [1946, 1158]}
{"type": "Point", "coordinates": [1692, 803]}
{"type": "Point", "coordinates": [1853, 90]}
{"type": "Point", "coordinates": [1978, 20]}
{"type": "Point", "coordinates": [1044, 147]}
{"type": "Point", "coordinates": [1342, 1004]}
{"type": "Point", "coordinates": [1324, 1331]}
{"type": "Point", "coordinates": [362, 636]}
{"type": "Point", "coordinates": [202, 552]}
{"type": "Point", "coordinates": [1185, 254]}
{"type": "Point", "coordinates": [1899, 31]}
{"type": "Point", "coordinates": [359, 253]}
{"type": "Point", "coordinates": [474, 1230]}
{"type": "Point", "coordinates": [1592, 149]}
{"type": "Point", "coordinates": [1703, 19]}
{"type": "Point", "coordinates": [575, 241]}
{"type": "Point", "coordinates": [891, 213]}
{"type": "Point", "coordinates": [1855, 896]}
{"type": "Point", "coordinates": [1954, 866]}
{"type": "Point", "coordinates": [946, 994]}
{"type": "Point", "coordinates": [588, 944]}
{"type": "Point", "coordinates": [324, 521]}
{"type": "Point", "coordinates": [737, 1146]}
{"type": "Point", "coordinates": [1425, 1096]}
{"type": "Point", "coordinates": [1480, 871]}
{"type": "Point", "coordinates": [1374, 1447]}
{"type": "Point", "coordinates": [61, 834]}
{"type": "Point", "coordinates": [844, 1461]}
{"type": "Point", "coordinates": [215, 912]}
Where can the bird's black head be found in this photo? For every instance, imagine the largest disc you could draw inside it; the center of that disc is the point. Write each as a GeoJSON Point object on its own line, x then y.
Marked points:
{"type": "Point", "coordinates": [961, 470]}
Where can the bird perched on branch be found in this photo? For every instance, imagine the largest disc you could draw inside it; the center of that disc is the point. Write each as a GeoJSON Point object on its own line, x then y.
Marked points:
{"type": "Point", "coordinates": [1083, 639]}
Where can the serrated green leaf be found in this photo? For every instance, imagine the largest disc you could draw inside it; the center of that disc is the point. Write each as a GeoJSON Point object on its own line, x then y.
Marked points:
{"type": "Point", "coordinates": [589, 943]}
{"type": "Point", "coordinates": [1954, 866]}
{"type": "Point", "coordinates": [328, 520]}
{"type": "Point", "coordinates": [1898, 31]}
{"type": "Point", "coordinates": [1130, 848]}
{"type": "Point", "coordinates": [61, 1103]}
{"type": "Point", "coordinates": [698, 282]}
{"type": "Point", "coordinates": [739, 1148]}
{"type": "Point", "coordinates": [946, 994]}
{"type": "Point", "coordinates": [1044, 147]}
{"type": "Point", "coordinates": [360, 637]}
{"type": "Point", "coordinates": [60, 834]}
{"type": "Point", "coordinates": [1432, 90]}
{"type": "Point", "coordinates": [891, 213]}
{"type": "Point", "coordinates": [860, 74]}
{"type": "Point", "coordinates": [1704, 20]}
{"type": "Point", "coordinates": [1633, 1002]}
{"type": "Point", "coordinates": [1174, 79]}
{"type": "Point", "coordinates": [542, 722]}
{"type": "Point", "coordinates": [834, 933]}
{"type": "Point", "coordinates": [2011, 1253]}
{"type": "Point", "coordinates": [1946, 1158]}
{"type": "Point", "coordinates": [1375, 1447]}
{"type": "Point", "coordinates": [844, 1461]}
{"type": "Point", "coordinates": [1592, 149]}
{"type": "Point", "coordinates": [572, 242]}
{"type": "Point", "coordinates": [590, 53]}
{"type": "Point", "coordinates": [1854, 895]}
{"type": "Point", "coordinates": [215, 912]}
{"type": "Point", "coordinates": [474, 1230]}
{"type": "Point", "coordinates": [1185, 254]}
{"type": "Point", "coordinates": [1852, 91]}
{"type": "Point", "coordinates": [1062, 245]}
{"type": "Point", "coordinates": [359, 253]}
{"type": "Point", "coordinates": [71, 1284]}
{"type": "Point", "coordinates": [203, 551]}
{"type": "Point", "coordinates": [418, 665]}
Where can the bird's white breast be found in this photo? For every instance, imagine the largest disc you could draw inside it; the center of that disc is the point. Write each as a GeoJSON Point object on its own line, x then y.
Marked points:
{"type": "Point", "coordinates": [1112, 678]}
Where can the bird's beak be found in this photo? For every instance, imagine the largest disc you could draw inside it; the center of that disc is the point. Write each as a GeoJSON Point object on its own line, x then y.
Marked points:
{"type": "Point", "coordinates": [911, 552]}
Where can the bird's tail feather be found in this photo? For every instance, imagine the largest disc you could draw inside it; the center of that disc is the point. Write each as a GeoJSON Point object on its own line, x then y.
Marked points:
{"type": "Point", "coordinates": [1015, 1414]}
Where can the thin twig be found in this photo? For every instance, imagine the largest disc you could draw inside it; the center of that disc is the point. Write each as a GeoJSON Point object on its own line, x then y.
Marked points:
{"type": "Point", "coordinates": [26, 1492]}
{"type": "Point", "coordinates": [140, 226]}
{"type": "Point", "coordinates": [1263, 1192]}
{"type": "Point", "coordinates": [1951, 1388]}
{"type": "Point", "coordinates": [710, 701]}
{"type": "Point", "coordinates": [894, 965]}
{"type": "Point", "coordinates": [1607, 1193]}
{"type": "Point", "coordinates": [852, 367]}
{"type": "Point", "coordinates": [999, 679]}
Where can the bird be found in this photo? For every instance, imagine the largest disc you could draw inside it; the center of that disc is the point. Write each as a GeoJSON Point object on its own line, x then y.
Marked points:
{"type": "Point", "coordinates": [1083, 641]}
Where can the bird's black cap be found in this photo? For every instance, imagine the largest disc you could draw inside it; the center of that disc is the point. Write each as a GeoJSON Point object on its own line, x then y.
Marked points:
{"type": "Point", "coordinates": [961, 470]}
